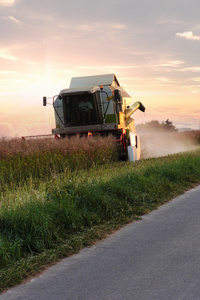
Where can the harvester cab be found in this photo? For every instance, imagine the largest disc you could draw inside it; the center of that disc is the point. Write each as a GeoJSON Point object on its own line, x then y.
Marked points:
{"type": "Point", "coordinates": [97, 105]}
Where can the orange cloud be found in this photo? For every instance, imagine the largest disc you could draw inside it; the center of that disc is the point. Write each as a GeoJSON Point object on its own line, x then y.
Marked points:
{"type": "Point", "coordinates": [6, 54]}
{"type": "Point", "coordinates": [7, 2]}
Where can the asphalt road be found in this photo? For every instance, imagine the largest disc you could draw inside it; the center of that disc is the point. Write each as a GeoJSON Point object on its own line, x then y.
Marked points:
{"type": "Point", "coordinates": [155, 258]}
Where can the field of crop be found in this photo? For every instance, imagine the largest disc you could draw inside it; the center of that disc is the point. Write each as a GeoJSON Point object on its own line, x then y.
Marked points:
{"type": "Point", "coordinates": [57, 198]}
{"type": "Point", "coordinates": [28, 161]}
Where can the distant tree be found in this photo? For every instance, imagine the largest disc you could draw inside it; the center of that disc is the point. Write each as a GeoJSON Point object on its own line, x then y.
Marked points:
{"type": "Point", "coordinates": [154, 124]}
{"type": "Point", "coordinates": [167, 125]}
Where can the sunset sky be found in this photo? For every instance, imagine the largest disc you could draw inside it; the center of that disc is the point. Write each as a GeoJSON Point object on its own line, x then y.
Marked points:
{"type": "Point", "coordinates": [152, 46]}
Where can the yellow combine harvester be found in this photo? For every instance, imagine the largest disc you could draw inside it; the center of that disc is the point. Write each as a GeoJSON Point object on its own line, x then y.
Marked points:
{"type": "Point", "coordinates": [98, 105]}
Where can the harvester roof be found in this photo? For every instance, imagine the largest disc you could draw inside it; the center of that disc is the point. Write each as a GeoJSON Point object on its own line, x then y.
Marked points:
{"type": "Point", "coordinates": [89, 90]}
{"type": "Point", "coordinates": [107, 79]}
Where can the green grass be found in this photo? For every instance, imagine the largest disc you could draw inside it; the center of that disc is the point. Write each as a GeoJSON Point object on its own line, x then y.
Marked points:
{"type": "Point", "coordinates": [39, 225]}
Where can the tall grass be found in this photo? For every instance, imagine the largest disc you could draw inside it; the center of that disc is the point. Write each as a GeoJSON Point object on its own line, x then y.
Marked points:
{"type": "Point", "coordinates": [32, 161]}
{"type": "Point", "coordinates": [22, 161]}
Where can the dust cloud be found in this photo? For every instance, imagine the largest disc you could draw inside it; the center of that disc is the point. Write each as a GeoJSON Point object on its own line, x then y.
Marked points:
{"type": "Point", "coordinates": [5, 130]}
{"type": "Point", "coordinates": [155, 143]}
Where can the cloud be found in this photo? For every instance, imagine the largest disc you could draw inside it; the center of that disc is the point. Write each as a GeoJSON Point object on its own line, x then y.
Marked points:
{"type": "Point", "coordinates": [108, 67]}
{"type": "Point", "coordinates": [191, 69]}
{"type": "Point", "coordinates": [100, 28]}
{"type": "Point", "coordinates": [7, 2]}
{"type": "Point", "coordinates": [196, 79]}
{"type": "Point", "coordinates": [188, 35]}
{"type": "Point", "coordinates": [6, 54]}
{"type": "Point", "coordinates": [172, 63]}
{"type": "Point", "coordinates": [13, 19]}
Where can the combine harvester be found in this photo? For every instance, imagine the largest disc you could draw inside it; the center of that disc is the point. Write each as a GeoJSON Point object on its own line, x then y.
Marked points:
{"type": "Point", "coordinates": [98, 105]}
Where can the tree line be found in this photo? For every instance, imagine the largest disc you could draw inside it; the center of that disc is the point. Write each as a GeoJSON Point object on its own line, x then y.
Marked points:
{"type": "Point", "coordinates": [154, 124]}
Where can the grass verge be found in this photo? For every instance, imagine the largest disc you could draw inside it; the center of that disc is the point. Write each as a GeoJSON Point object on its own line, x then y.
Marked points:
{"type": "Point", "coordinates": [73, 210]}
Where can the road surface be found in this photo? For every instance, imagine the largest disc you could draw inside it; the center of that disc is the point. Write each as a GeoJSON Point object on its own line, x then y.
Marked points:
{"type": "Point", "coordinates": [157, 257]}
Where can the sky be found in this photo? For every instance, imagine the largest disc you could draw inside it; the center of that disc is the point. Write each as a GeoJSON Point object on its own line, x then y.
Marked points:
{"type": "Point", "coordinates": [151, 46]}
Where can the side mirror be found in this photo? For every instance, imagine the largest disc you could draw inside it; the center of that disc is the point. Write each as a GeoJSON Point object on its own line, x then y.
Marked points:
{"type": "Point", "coordinates": [44, 101]}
